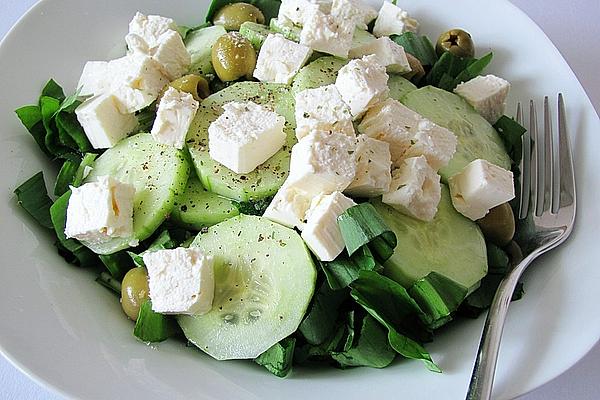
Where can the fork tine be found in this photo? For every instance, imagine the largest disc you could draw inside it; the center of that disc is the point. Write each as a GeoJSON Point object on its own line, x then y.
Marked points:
{"type": "Point", "coordinates": [535, 158]}
{"type": "Point", "coordinates": [525, 167]}
{"type": "Point", "coordinates": [548, 201]}
{"type": "Point", "coordinates": [567, 177]}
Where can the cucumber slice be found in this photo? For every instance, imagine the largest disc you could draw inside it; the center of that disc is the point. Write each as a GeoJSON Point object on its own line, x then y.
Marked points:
{"type": "Point", "coordinates": [320, 72]}
{"type": "Point", "coordinates": [199, 44]}
{"type": "Point", "coordinates": [268, 177]}
{"type": "Point", "coordinates": [288, 30]}
{"type": "Point", "coordinates": [360, 38]}
{"type": "Point", "coordinates": [197, 207]}
{"type": "Point", "coordinates": [450, 245]}
{"type": "Point", "coordinates": [476, 137]}
{"type": "Point", "coordinates": [158, 172]}
{"type": "Point", "coordinates": [255, 33]}
{"type": "Point", "coordinates": [399, 86]}
{"type": "Point", "coordinates": [265, 278]}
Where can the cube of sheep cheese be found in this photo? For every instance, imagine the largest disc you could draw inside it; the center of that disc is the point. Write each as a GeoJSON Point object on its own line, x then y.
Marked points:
{"type": "Point", "coordinates": [362, 84]}
{"type": "Point", "coordinates": [409, 134]}
{"type": "Point", "coordinates": [94, 79]}
{"type": "Point", "coordinates": [326, 33]}
{"type": "Point", "coordinates": [321, 233]}
{"type": "Point", "coordinates": [171, 55]}
{"type": "Point", "coordinates": [373, 165]}
{"type": "Point", "coordinates": [174, 116]}
{"type": "Point", "coordinates": [245, 136]}
{"type": "Point", "coordinates": [103, 123]}
{"type": "Point", "coordinates": [322, 109]}
{"type": "Point", "coordinates": [181, 281]}
{"type": "Point", "coordinates": [487, 94]}
{"type": "Point", "coordinates": [98, 211]}
{"type": "Point", "coordinates": [479, 187]}
{"type": "Point", "coordinates": [323, 162]}
{"type": "Point", "coordinates": [279, 59]}
{"type": "Point", "coordinates": [415, 189]}
{"type": "Point", "coordinates": [151, 27]}
{"type": "Point", "coordinates": [289, 206]}
{"type": "Point", "coordinates": [354, 10]}
{"type": "Point", "coordinates": [295, 10]}
{"type": "Point", "coordinates": [392, 20]}
{"type": "Point", "coordinates": [389, 54]}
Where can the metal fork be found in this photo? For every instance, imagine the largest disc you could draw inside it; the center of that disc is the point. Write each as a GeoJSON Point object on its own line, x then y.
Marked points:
{"type": "Point", "coordinates": [546, 217]}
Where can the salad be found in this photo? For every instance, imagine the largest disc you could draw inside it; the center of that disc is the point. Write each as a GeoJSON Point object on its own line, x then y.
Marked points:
{"type": "Point", "coordinates": [294, 182]}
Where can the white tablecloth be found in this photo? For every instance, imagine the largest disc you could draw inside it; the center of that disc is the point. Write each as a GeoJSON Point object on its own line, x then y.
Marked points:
{"type": "Point", "coordinates": [573, 27]}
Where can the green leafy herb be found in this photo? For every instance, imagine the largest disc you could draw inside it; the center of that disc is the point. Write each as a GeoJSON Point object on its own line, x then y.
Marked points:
{"type": "Point", "coordinates": [163, 241]}
{"type": "Point", "coordinates": [269, 8]}
{"type": "Point", "coordinates": [361, 225]}
{"type": "Point", "coordinates": [72, 251]}
{"type": "Point", "coordinates": [117, 264]}
{"type": "Point", "coordinates": [254, 207]}
{"type": "Point", "coordinates": [152, 326]}
{"type": "Point", "coordinates": [53, 89]}
{"type": "Point", "coordinates": [371, 349]}
{"type": "Point", "coordinates": [474, 69]}
{"type": "Point", "coordinates": [65, 177]}
{"type": "Point", "coordinates": [511, 133]}
{"type": "Point", "coordinates": [342, 271]}
{"type": "Point", "coordinates": [33, 197]}
{"type": "Point", "coordinates": [86, 163]}
{"type": "Point", "coordinates": [419, 46]}
{"type": "Point", "coordinates": [450, 70]}
{"type": "Point", "coordinates": [278, 358]}
{"type": "Point", "coordinates": [321, 316]}
{"type": "Point", "coordinates": [146, 118]}
{"type": "Point", "coordinates": [106, 280]}
{"type": "Point", "coordinates": [31, 118]}
{"type": "Point", "coordinates": [438, 297]}
{"type": "Point", "coordinates": [389, 303]}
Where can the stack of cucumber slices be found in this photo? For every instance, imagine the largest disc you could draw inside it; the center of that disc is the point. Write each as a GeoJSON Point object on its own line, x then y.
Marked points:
{"type": "Point", "coordinates": [398, 280]}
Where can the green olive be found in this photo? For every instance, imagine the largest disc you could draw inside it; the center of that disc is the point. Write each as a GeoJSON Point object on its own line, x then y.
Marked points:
{"type": "Point", "coordinates": [232, 16]}
{"type": "Point", "coordinates": [498, 225]}
{"type": "Point", "coordinates": [416, 68]}
{"type": "Point", "coordinates": [134, 291]}
{"type": "Point", "coordinates": [233, 57]}
{"type": "Point", "coordinates": [193, 84]}
{"type": "Point", "coordinates": [457, 42]}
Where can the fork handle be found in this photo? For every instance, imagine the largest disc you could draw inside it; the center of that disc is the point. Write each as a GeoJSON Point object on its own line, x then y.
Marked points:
{"type": "Point", "coordinates": [482, 377]}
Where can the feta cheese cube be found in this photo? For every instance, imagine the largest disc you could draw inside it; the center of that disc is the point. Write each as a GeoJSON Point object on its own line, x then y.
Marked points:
{"type": "Point", "coordinates": [479, 187]}
{"type": "Point", "coordinates": [94, 78]}
{"type": "Point", "coordinates": [171, 55]}
{"type": "Point", "coordinates": [100, 210]}
{"type": "Point", "coordinates": [136, 44]}
{"type": "Point", "coordinates": [321, 233]}
{"type": "Point", "coordinates": [392, 20]}
{"type": "Point", "coordinates": [326, 33]}
{"type": "Point", "coordinates": [130, 100]}
{"type": "Point", "coordinates": [245, 136]}
{"type": "Point", "coordinates": [487, 94]}
{"type": "Point", "coordinates": [295, 10]}
{"type": "Point", "coordinates": [181, 281]}
{"type": "Point", "coordinates": [323, 162]}
{"type": "Point", "coordinates": [354, 10]}
{"type": "Point", "coordinates": [102, 122]}
{"type": "Point", "coordinates": [137, 71]}
{"type": "Point", "coordinates": [415, 189]}
{"type": "Point", "coordinates": [289, 207]}
{"type": "Point", "coordinates": [174, 116]}
{"type": "Point", "coordinates": [279, 59]}
{"type": "Point", "coordinates": [373, 165]}
{"type": "Point", "coordinates": [362, 84]}
{"type": "Point", "coordinates": [322, 109]}
{"type": "Point", "coordinates": [409, 134]}
{"type": "Point", "coordinates": [389, 54]}
{"type": "Point", "coordinates": [151, 27]}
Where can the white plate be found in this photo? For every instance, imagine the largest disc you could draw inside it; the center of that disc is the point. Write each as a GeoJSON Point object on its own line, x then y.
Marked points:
{"type": "Point", "coordinates": [68, 333]}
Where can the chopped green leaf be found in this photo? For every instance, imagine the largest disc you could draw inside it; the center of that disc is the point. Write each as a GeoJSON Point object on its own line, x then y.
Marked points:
{"type": "Point", "coordinates": [73, 251]}
{"type": "Point", "coordinates": [511, 133]}
{"type": "Point", "coordinates": [254, 207]}
{"type": "Point", "coordinates": [389, 303]}
{"type": "Point", "coordinates": [438, 297]}
{"type": "Point", "coordinates": [106, 280]}
{"type": "Point", "coordinates": [117, 264]}
{"type": "Point", "coordinates": [269, 8]}
{"type": "Point", "coordinates": [321, 316]}
{"type": "Point", "coordinates": [371, 349]}
{"type": "Point", "coordinates": [361, 225]}
{"type": "Point", "coordinates": [344, 270]}
{"type": "Point", "coordinates": [163, 241]}
{"type": "Point", "coordinates": [73, 134]}
{"type": "Point", "coordinates": [65, 177]}
{"type": "Point", "coordinates": [419, 46]}
{"type": "Point", "coordinates": [278, 358]}
{"type": "Point", "coordinates": [146, 118]}
{"type": "Point", "coordinates": [86, 163]}
{"type": "Point", "coordinates": [33, 197]}
{"type": "Point", "coordinates": [447, 68]}
{"type": "Point", "coordinates": [152, 326]}
{"type": "Point", "coordinates": [475, 68]}
{"type": "Point", "coordinates": [31, 117]}
{"type": "Point", "coordinates": [53, 89]}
